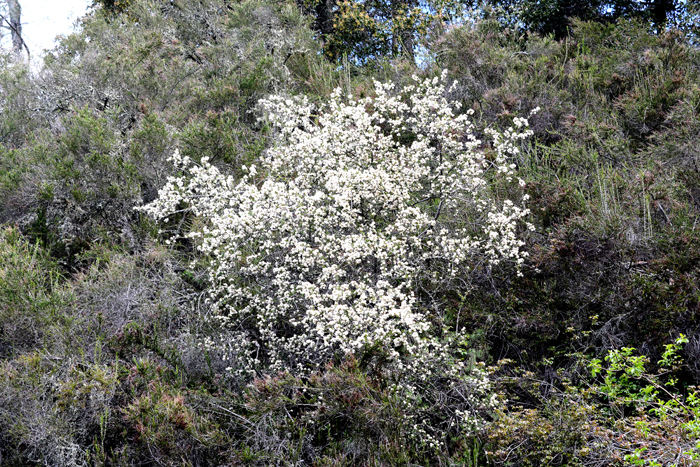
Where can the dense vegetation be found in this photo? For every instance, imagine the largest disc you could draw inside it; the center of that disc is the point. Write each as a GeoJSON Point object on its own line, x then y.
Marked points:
{"type": "Point", "coordinates": [113, 350]}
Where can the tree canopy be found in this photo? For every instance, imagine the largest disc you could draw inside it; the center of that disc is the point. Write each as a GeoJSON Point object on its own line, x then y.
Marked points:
{"type": "Point", "coordinates": [363, 30]}
{"type": "Point", "coordinates": [554, 16]}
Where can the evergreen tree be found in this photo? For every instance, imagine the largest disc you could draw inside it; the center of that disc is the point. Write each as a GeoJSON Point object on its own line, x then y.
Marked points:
{"type": "Point", "coordinates": [363, 30]}
{"type": "Point", "coordinates": [554, 16]}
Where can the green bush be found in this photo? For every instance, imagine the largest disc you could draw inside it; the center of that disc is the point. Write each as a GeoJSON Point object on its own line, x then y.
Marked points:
{"type": "Point", "coordinates": [352, 414]}
{"type": "Point", "coordinates": [51, 410]}
{"type": "Point", "coordinates": [30, 295]}
{"type": "Point", "coordinates": [611, 411]}
{"type": "Point", "coordinates": [163, 419]}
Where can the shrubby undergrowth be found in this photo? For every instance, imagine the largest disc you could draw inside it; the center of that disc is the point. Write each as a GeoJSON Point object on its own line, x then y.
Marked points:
{"type": "Point", "coordinates": [340, 299]}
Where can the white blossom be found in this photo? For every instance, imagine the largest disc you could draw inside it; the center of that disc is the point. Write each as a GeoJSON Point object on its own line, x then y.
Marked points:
{"type": "Point", "coordinates": [318, 250]}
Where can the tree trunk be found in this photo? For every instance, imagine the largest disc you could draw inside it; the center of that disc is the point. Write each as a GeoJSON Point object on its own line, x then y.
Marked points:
{"type": "Point", "coordinates": [659, 12]}
{"type": "Point", "coordinates": [402, 38]}
{"type": "Point", "coordinates": [324, 17]}
{"type": "Point", "coordinates": [15, 11]}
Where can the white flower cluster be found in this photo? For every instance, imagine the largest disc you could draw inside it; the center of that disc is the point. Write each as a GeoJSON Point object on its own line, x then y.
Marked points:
{"type": "Point", "coordinates": [319, 249]}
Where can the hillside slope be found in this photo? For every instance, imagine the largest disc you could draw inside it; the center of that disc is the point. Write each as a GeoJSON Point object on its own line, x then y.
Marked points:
{"type": "Point", "coordinates": [113, 349]}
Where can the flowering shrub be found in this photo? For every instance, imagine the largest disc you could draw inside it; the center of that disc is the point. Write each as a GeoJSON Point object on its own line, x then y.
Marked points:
{"type": "Point", "coordinates": [339, 238]}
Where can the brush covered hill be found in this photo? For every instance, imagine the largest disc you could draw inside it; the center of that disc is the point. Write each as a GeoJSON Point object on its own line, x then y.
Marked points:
{"type": "Point", "coordinates": [112, 346]}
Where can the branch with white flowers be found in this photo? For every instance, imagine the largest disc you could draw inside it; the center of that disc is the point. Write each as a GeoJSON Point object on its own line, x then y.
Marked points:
{"type": "Point", "coordinates": [320, 246]}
